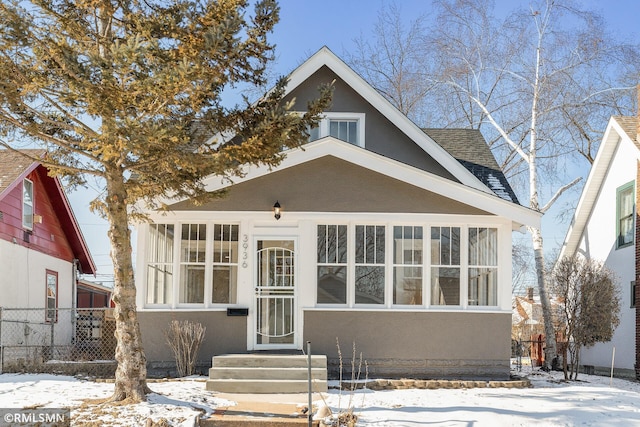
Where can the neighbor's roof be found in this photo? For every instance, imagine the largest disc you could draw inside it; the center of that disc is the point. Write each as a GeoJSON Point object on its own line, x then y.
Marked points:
{"type": "Point", "coordinates": [619, 127]}
{"type": "Point", "coordinates": [14, 164]}
{"type": "Point", "coordinates": [469, 147]}
{"type": "Point", "coordinates": [14, 167]}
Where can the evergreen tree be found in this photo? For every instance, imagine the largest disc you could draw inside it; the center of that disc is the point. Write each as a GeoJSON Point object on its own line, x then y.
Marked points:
{"type": "Point", "coordinates": [129, 92]}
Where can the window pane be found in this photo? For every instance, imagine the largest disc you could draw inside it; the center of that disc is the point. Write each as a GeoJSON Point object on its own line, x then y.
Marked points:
{"type": "Point", "coordinates": [314, 133]}
{"type": "Point", "coordinates": [360, 243]}
{"type": "Point", "coordinates": [159, 282]}
{"type": "Point", "coordinates": [224, 284]}
{"type": "Point", "coordinates": [445, 245]}
{"type": "Point", "coordinates": [369, 285]}
{"type": "Point", "coordinates": [455, 245]}
{"type": "Point", "coordinates": [483, 286]}
{"type": "Point", "coordinates": [332, 285]}
{"type": "Point", "coordinates": [225, 244]}
{"type": "Point", "coordinates": [435, 245]}
{"type": "Point", "coordinates": [352, 137]}
{"type": "Point", "coordinates": [407, 285]}
{"type": "Point", "coordinates": [191, 284]}
{"type": "Point", "coordinates": [193, 242]}
{"type": "Point", "coordinates": [445, 286]}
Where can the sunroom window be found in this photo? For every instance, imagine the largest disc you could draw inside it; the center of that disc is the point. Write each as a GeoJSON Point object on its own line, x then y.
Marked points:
{"type": "Point", "coordinates": [433, 266]}
{"type": "Point", "coordinates": [225, 263]}
{"type": "Point", "coordinates": [407, 265]}
{"type": "Point", "coordinates": [483, 266]}
{"type": "Point", "coordinates": [160, 263]}
{"type": "Point", "coordinates": [332, 264]}
{"type": "Point", "coordinates": [445, 265]}
{"type": "Point", "coordinates": [370, 252]}
{"type": "Point", "coordinates": [192, 263]}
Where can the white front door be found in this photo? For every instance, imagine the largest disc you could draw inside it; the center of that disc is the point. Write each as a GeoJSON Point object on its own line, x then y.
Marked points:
{"type": "Point", "coordinates": [275, 296]}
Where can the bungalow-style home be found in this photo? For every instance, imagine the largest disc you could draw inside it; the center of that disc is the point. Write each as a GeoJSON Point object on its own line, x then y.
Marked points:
{"type": "Point", "coordinates": [376, 234]}
{"type": "Point", "coordinates": [605, 228]}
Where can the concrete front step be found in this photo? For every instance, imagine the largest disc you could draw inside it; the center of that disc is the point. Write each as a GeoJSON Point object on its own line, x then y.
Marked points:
{"type": "Point", "coordinates": [260, 373]}
{"type": "Point", "coordinates": [269, 361]}
{"type": "Point", "coordinates": [264, 386]}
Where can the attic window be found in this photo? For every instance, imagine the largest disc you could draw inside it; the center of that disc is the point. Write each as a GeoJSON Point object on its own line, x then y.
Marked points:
{"type": "Point", "coordinates": [348, 127]}
{"type": "Point", "coordinates": [27, 204]}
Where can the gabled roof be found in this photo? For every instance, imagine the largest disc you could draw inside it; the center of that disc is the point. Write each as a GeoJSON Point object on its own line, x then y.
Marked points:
{"type": "Point", "coordinates": [619, 128]}
{"type": "Point", "coordinates": [469, 147]}
{"type": "Point", "coordinates": [325, 57]}
{"type": "Point", "coordinates": [14, 167]}
{"type": "Point", "coordinates": [329, 146]}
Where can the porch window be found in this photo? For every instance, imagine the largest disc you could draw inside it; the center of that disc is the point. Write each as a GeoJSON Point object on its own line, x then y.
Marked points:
{"type": "Point", "coordinates": [445, 265]}
{"type": "Point", "coordinates": [369, 266]}
{"type": "Point", "coordinates": [332, 264]}
{"type": "Point", "coordinates": [407, 265]}
{"type": "Point", "coordinates": [51, 314]}
{"type": "Point", "coordinates": [483, 266]}
{"type": "Point", "coordinates": [27, 204]}
{"type": "Point", "coordinates": [192, 263]}
{"type": "Point", "coordinates": [160, 263]}
{"type": "Point", "coordinates": [225, 263]}
{"type": "Point", "coordinates": [624, 215]}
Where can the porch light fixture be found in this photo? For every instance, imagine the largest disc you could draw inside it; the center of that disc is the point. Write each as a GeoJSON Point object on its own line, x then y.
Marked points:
{"type": "Point", "coordinates": [276, 210]}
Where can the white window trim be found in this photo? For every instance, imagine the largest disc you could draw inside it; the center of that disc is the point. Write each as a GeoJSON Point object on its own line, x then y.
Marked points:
{"type": "Point", "coordinates": [323, 124]}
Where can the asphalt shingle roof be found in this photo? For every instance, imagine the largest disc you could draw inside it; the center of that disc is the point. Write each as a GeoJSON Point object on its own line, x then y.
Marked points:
{"type": "Point", "coordinates": [469, 147]}
{"type": "Point", "coordinates": [12, 164]}
{"type": "Point", "coordinates": [629, 125]}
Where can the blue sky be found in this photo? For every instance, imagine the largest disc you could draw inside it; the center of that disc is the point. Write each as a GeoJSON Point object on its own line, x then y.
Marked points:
{"type": "Point", "coordinates": [305, 26]}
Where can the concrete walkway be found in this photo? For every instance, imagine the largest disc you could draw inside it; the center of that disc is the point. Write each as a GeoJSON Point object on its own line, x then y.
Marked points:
{"type": "Point", "coordinates": [264, 410]}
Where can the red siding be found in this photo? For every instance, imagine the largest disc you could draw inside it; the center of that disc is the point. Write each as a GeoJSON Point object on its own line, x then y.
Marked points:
{"type": "Point", "coordinates": [47, 237]}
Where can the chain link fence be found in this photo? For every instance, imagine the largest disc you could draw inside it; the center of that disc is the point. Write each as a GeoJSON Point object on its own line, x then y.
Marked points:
{"type": "Point", "coordinates": [66, 341]}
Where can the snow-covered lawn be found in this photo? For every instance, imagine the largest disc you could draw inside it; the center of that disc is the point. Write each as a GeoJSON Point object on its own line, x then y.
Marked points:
{"type": "Point", "coordinates": [550, 402]}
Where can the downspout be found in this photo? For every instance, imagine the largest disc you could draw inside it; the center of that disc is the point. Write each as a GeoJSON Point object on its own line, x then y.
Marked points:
{"type": "Point", "coordinates": [74, 297]}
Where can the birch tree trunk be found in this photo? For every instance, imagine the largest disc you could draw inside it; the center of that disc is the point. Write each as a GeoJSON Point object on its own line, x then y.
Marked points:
{"type": "Point", "coordinates": [550, 349]}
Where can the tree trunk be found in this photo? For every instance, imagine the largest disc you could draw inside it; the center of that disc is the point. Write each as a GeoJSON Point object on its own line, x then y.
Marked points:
{"type": "Point", "coordinates": [550, 350]}
{"type": "Point", "coordinates": [131, 374]}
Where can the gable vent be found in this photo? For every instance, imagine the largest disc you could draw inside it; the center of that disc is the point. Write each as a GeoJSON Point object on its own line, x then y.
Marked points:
{"type": "Point", "coordinates": [1, 216]}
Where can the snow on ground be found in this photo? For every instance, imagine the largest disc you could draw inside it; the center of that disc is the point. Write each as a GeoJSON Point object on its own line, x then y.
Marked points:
{"type": "Point", "coordinates": [591, 401]}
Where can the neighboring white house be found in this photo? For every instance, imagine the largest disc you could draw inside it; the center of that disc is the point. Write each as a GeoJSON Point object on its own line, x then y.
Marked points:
{"type": "Point", "coordinates": [376, 232]}
{"type": "Point", "coordinates": [604, 228]}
